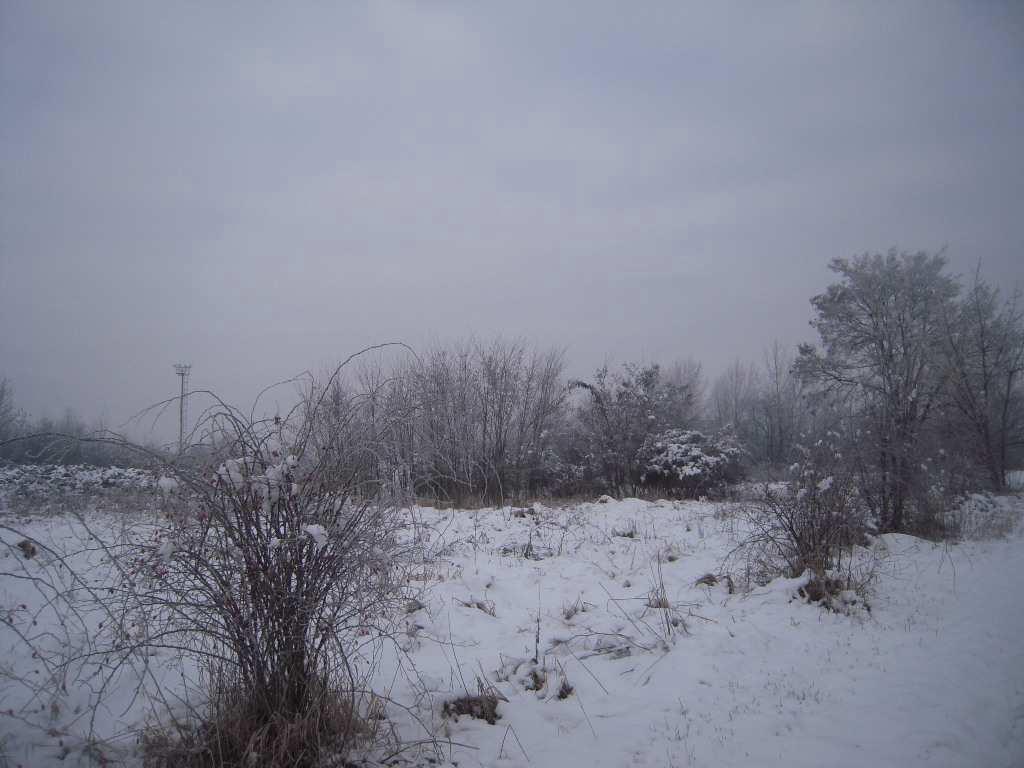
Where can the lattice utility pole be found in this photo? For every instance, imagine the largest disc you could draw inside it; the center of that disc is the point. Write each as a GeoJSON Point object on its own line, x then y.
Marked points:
{"type": "Point", "coordinates": [183, 370]}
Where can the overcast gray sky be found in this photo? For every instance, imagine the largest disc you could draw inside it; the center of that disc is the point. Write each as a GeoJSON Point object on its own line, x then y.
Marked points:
{"type": "Point", "coordinates": [262, 188]}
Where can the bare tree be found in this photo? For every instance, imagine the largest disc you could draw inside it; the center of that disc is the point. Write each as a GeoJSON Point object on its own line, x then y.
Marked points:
{"type": "Point", "coordinates": [761, 406]}
{"type": "Point", "coordinates": [734, 401]}
{"type": "Point", "coordinates": [779, 406]}
{"type": "Point", "coordinates": [687, 376]}
{"type": "Point", "coordinates": [985, 352]}
{"type": "Point", "coordinates": [279, 559]}
{"type": "Point", "coordinates": [467, 420]}
{"type": "Point", "coordinates": [8, 416]}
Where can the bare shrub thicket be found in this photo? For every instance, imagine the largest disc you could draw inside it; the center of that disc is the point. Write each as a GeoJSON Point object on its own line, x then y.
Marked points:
{"type": "Point", "coordinates": [475, 422]}
{"type": "Point", "coordinates": [812, 523]}
{"type": "Point", "coordinates": [619, 411]}
{"type": "Point", "coordinates": [984, 351]}
{"type": "Point", "coordinates": [468, 422]}
{"type": "Point", "coordinates": [271, 576]}
{"type": "Point", "coordinates": [762, 406]}
{"type": "Point", "coordinates": [66, 637]}
{"type": "Point", "coordinates": [276, 569]}
{"type": "Point", "coordinates": [25, 440]}
{"type": "Point", "coordinates": [487, 413]}
{"type": "Point", "coordinates": [8, 415]}
{"type": "Point", "coordinates": [927, 375]}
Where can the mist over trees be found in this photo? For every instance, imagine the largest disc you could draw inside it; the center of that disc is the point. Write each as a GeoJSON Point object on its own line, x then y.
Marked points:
{"type": "Point", "coordinates": [902, 356]}
{"type": "Point", "coordinates": [919, 374]}
{"type": "Point", "coordinates": [8, 416]}
{"type": "Point", "coordinates": [881, 334]}
{"type": "Point", "coordinates": [468, 420]}
{"type": "Point", "coordinates": [984, 351]}
{"type": "Point", "coordinates": [26, 440]}
{"type": "Point", "coordinates": [624, 409]}
{"type": "Point", "coordinates": [285, 545]}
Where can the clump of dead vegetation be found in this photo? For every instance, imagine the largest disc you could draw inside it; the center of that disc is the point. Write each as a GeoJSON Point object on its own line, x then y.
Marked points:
{"type": "Point", "coordinates": [482, 706]}
{"type": "Point", "coordinates": [282, 571]}
{"type": "Point", "coordinates": [711, 580]}
{"type": "Point", "coordinates": [486, 606]}
{"type": "Point", "coordinates": [630, 531]}
{"type": "Point", "coordinates": [238, 730]}
{"type": "Point", "coordinates": [816, 525]}
{"type": "Point", "coordinates": [579, 605]}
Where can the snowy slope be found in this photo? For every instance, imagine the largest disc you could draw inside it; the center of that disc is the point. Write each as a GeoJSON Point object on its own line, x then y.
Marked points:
{"type": "Point", "coordinates": [932, 675]}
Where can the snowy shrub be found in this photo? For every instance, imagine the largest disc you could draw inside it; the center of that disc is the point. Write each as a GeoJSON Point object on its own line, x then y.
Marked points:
{"type": "Point", "coordinates": [982, 516]}
{"type": "Point", "coordinates": [483, 416]}
{"type": "Point", "coordinates": [621, 410]}
{"type": "Point", "coordinates": [284, 565]}
{"type": "Point", "coordinates": [555, 476]}
{"type": "Point", "coordinates": [689, 463]}
{"type": "Point", "coordinates": [483, 706]}
{"type": "Point", "coordinates": [808, 523]}
{"type": "Point", "coordinates": [938, 487]}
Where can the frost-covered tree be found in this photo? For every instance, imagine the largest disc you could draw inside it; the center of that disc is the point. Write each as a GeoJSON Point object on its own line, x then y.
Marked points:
{"type": "Point", "coordinates": [882, 333]}
{"type": "Point", "coordinates": [8, 416]}
{"type": "Point", "coordinates": [620, 411]}
{"type": "Point", "coordinates": [467, 420]}
{"type": "Point", "coordinates": [687, 377]}
{"type": "Point", "coordinates": [780, 414]}
{"type": "Point", "coordinates": [735, 398]}
{"type": "Point", "coordinates": [761, 405]}
{"type": "Point", "coordinates": [985, 353]}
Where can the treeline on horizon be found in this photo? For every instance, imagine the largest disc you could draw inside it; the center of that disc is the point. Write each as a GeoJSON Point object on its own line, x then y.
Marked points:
{"type": "Point", "coordinates": [916, 375]}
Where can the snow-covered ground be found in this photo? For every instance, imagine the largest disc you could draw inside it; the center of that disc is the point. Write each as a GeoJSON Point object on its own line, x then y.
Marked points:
{"type": "Point", "coordinates": [49, 479]}
{"type": "Point", "coordinates": [929, 673]}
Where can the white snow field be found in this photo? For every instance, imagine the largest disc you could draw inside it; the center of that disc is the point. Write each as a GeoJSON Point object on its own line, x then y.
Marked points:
{"type": "Point", "coordinates": [929, 673]}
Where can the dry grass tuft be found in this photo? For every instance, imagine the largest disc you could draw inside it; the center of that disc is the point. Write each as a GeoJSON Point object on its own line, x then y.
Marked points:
{"type": "Point", "coordinates": [487, 606]}
{"type": "Point", "coordinates": [483, 706]}
{"type": "Point", "coordinates": [28, 549]}
{"type": "Point", "coordinates": [570, 611]}
{"type": "Point", "coordinates": [707, 580]}
{"type": "Point", "coordinates": [536, 680]}
{"type": "Point", "coordinates": [565, 689]}
{"type": "Point", "coordinates": [239, 731]}
{"type": "Point", "coordinates": [657, 598]}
